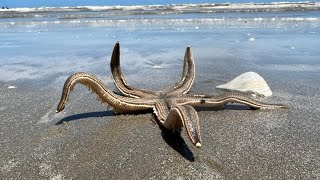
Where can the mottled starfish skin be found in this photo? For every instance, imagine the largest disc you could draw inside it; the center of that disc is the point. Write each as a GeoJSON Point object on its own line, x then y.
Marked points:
{"type": "Point", "coordinates": [173, 107]}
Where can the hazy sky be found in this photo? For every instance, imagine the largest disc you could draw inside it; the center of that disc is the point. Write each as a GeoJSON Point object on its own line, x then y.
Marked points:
{"type": "Point", "coordinates": [55, 3]}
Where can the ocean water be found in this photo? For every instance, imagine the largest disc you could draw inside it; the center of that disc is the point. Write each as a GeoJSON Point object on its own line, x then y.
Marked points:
{"type": "Point", "coordinates": [37, 43]}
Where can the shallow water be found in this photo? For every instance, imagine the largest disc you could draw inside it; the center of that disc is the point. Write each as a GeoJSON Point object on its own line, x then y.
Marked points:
{"type": "Point", "coordinates": [49, 44]}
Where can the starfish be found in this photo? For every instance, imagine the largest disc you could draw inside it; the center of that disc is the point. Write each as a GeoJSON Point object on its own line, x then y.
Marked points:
{"type": "Point", "coordinates": [173, 107]}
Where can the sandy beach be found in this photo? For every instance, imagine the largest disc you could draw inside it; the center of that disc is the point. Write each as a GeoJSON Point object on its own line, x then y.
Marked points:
{"type": "Point", "coordinates": [88, 141]}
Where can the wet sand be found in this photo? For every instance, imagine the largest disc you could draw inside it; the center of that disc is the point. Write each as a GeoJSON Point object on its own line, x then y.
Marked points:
{"type": "Point", "coordinates": [88, 141]}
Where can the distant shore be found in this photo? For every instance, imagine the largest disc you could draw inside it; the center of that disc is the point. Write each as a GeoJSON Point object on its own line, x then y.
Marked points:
{"type": "Point", "coordinates": [183, 8]}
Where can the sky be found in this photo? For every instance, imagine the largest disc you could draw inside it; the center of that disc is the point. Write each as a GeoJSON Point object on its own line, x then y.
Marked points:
{"type": "Point", "coordinates": [61, 3]}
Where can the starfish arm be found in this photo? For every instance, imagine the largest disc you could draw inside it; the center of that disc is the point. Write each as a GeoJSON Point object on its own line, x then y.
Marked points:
{"type": "Point", "coordinates": [161, 110]}
{"type": "Point", "coordinates": [188, 75]}
{"type": "Point", "coordinates": [186, 116]}
{"type": "Point", "coordinates": [180, 116]}
{"type": "Point", "coordinates": [208, 101]}
{"type": "Point", "coordinates": [104, 94]}
{"type": "Point", "coordinates": [120, 81]}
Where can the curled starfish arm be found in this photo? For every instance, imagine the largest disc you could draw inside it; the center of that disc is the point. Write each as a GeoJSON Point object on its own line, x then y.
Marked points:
{"type": "Point", "coordinates": [186, 116]}
{"type": "Point", "coordinates": [207, 101]}
{"type": "Point", "coordinates": [180, 116]}
{"type": "Point", "coordinates": [188, 75]}
{"type": "Point", "coordinates": [104, 94]}
{"type": "Point", "coordinates": [120, 81]}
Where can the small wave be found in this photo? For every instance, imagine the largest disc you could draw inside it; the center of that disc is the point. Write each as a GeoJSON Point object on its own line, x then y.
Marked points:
{"type": "Point", "coordinates": [156, 9]}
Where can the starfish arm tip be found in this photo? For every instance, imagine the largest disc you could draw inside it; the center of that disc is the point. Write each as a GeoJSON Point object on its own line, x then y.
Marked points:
{"type": "Point", "coordinates": [198, 145]}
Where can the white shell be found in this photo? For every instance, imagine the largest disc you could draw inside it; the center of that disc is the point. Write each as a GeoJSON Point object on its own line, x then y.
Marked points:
{"type": "Point", "coordinates": [249, 82]}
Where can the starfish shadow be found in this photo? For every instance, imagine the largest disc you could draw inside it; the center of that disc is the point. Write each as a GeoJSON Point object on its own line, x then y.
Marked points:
{"type": "Point", "coordinates": [85, 115]}
{"type": "Point", "coordinates": [175, 141]}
